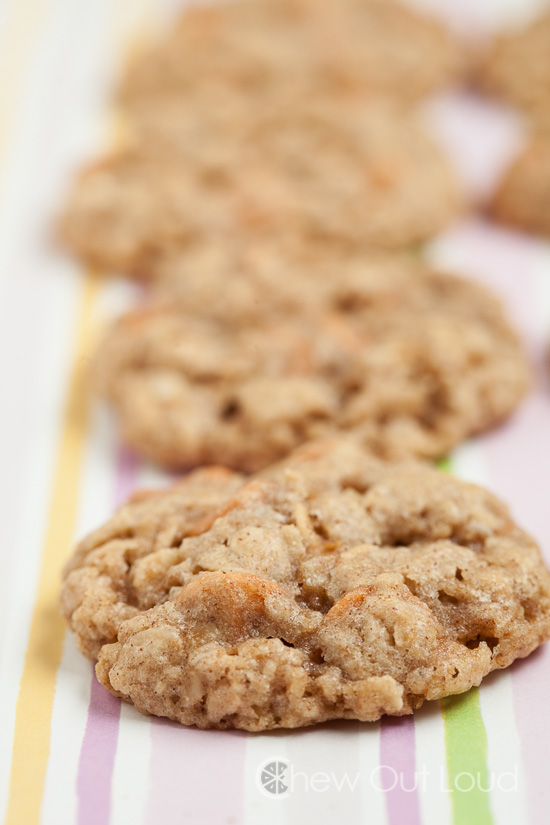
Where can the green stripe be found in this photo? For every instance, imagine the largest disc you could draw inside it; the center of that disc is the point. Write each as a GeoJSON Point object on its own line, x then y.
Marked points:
{"type": "Point", "coordinates": [444, 464]}
{"type": "Point", "coordinates": [466, 750]}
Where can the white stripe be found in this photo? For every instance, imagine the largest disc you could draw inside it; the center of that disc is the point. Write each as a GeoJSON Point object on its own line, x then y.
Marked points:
{"type": "Point", "coordinates": [472, 17]}
{"type": "Point", "coordinates": [373, 800]}
{"type": "Point", "coordinates": [495, 693]}
{"type": "Point", "coordinates": [151, 478]}
{"type": "Point", "coordinates": [57, 122]}
{"type": "Point", "coordinates": [336, 754]}
{"type": "Point", "coordinates": [72, 697]}
{"type": "Point", "coordinates": [541, 283]}
{"type": "Point", "coordinates": [504, 750]}
{"type": "Point", "coordinates": [132, 768]}
{"type": "Point", "coordinates": [467, 463]}
{"type": "Point", "coordinates": [257, 806]}
{"type": "Point", "coordinates": [435, 804]}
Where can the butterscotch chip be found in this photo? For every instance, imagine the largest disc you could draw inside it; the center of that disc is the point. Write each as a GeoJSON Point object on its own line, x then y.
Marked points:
{"type": "Point", "coordinates": [261, 46]}
{"type": "Point", "coordinates": [517, 70]}
{"type": "Point", "coordinates": [522, 199]}
{"type": "Point", "coordinates": [241, 371]}
{"type": "Point", "coordinates": [334, 586]}
{"type": "Point", "coordinates": [323, 169]}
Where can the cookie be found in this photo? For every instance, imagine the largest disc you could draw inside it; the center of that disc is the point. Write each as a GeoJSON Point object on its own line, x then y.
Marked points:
{"type": "Point", "coordinates": [517, 70]}
{"type": "Point", "coordinates": [522, 199]}
{"type": "Point", "coordinates": [334, 586]}
{"type": "Point", "coordinates": [322, 169]}
{"type": "Point", "coordinates": [409, 360]}
{"type": "Point", "coordinates": [261, 46]}
{"type": "Point", "coordinates": [97, 598]}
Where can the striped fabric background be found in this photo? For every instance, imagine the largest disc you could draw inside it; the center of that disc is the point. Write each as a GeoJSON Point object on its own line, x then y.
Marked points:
{"type": "Point", "coordinates": [70, 754]}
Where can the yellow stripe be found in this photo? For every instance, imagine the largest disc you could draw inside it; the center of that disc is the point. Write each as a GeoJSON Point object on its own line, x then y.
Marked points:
{"type": "Point", "coordinates": [34, 707]}
{"type": "Point", "coordinates": [18, 35]}
{"type": "Point", "coordinates": [45, 647]}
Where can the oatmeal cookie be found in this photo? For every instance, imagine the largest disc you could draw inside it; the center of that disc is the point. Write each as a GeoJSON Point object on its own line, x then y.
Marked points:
{"type": "Point", "coordinates": [324, 169]}
{"type": "Point", "coordinates": [409, 360]}
{"type": "Point", "coordinates": [333, 586]}
{"type": "Point", "coordinates": [517, 70]}
{"type": "Point", "coordinates": [99, 599]}
{"type": "Point", "coordinates": [522, 199]}
{"type": "Point", "coordinates": [262, 46]}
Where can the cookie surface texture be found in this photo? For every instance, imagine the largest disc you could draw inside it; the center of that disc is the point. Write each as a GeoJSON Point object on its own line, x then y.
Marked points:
{"type": "Point", "coordinates": [258, 46]}
{"type": "Point", "coordinates": [409, 360]}
{"type": "Point", "coordinates": [325, 169]}
{"type": "Point", "coordinates": [333, 586]}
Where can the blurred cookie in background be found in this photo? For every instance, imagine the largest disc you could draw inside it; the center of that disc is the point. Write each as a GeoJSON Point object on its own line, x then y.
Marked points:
{"type": "Point", "coordinates": [522, 200]}
{"type": "Point", "coordinates": [259, 46]}
{"type": "Point", "coordinates": [408, 360]}
{"type": "Point", "coordinates": [517, 70]}
{"type": "Point", "coordinates": [324, 169]}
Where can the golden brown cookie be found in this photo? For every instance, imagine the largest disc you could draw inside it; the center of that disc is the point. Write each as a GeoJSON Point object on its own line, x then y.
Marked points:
{"type": "Point", "coordinates": [517, 70]}
{"type": "Point", "coordinates": [522, 199]}
{"type": "Point", "coordinates": [321, 169]}
{"type": "Point", "coordinates": [241, 371]}
{"type": "Point", "coordinates": [334, 586]}
{"type": "Point", "coordinates": [261, 46]}
{"type": "Point", "coordinates": [98, 599]}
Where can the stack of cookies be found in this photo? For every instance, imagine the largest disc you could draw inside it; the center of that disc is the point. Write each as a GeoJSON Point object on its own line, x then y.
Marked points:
{"type": "Point", "coordinates": [273, 190]}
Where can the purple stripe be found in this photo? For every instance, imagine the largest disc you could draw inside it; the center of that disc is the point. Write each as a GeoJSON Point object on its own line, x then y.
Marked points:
{"type": "Point", "coordinates": [97, 754]}
{"type": "Point", "coordinates": [97, 757]}
{"type": "Point", "coordinates": [530, 680]}
{"type": "Point", "coordinates": [517, 457]}
{"type": "Point", "coordinates": [398, 770]}
{"type": "Point", "coordinates": [126, 476]}
{"type": "Point", "coordinates": [498, 259]}
{"type": "Point", "coordinates": [195, 775]}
